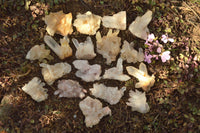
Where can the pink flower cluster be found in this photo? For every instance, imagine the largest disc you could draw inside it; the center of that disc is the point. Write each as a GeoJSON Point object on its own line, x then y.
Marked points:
{"type": "Point", "coordinates": [155, 49]}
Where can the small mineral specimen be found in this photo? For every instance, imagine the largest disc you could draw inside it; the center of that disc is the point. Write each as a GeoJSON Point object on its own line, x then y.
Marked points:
{"type": "Point", "coordinates": [87, 23]}
{"type": "Point", "coordinates": [35, 89]}
{"type": "Point", "coordinates": [116, 72]}
{"type": "Point", "coordinates": [86, 72]}
{"type": "Point", "coordinates": [59, 23]}
{"type": "Point", "coordinates": [93, 111]}
{"type": "Point", "coordinates": [109, 46]}
{"type": "Point", "coordinates": [37, 52]}
{"type": "Point", "coordinates": [110, 94]}
{"type": "Point", "coordinates": [62, 51]}
{"type": "Point", "coordinates": [117, 21]}
{"type": "Point", "coordinates": [53, 72]}
{"type": "Point", "coordinates": [138, 102]}
{"type": "Point", "coordinates": [145, 81]}
{"type": "Point", "coordinates": [70, 88]}
{"type": "Point", "coordinates": [139, 26]}
{"type": "Point", "coordinates": [84, 50]}
{"type": "Point", "coordinates": [129, 54]}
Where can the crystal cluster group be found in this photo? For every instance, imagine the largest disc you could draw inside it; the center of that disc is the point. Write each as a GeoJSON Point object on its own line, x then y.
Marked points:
{"type": "Point", "coordinates": [108, 46]}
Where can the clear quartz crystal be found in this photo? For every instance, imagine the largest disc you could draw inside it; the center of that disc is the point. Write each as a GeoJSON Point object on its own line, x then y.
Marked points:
{"type": "Point", "coordinates": [131, 55]}
{"type": "Point", "coordinates": [116, 72]}
{"type": "Point", "coordinates": [70, 88]}
{"type": "Point", "coordinates": [59, 22]}
{"type": "Point", "coordinates": [62, 51]}
{"type": "Point", "coordinates": [85, 50]}
{"type": "Point", "coordinates": [138, 102]}
{"type": "Point", "coordinates": [35, 89]}
{"type": "Point", "coordinates": [37, 52]}
{"type": "Point", "coordinates": [53, 72]}
{"type": "Point", "coordinates": [87, 23]}
{"type": "Point", "coordinates": [110, 94]}
{"type": "Point", "coordinates": [108, 46]}
{"type": "Point", "coordinates": [86, 72]}
{"type": "Point", "coordinates": [139, 26]}
{"type": "Point", "coordinates": [93, 111]}
{"type": "Point", "coordinates": [117, 21]}
{"type": "Point", "coordinates": [145, 81]}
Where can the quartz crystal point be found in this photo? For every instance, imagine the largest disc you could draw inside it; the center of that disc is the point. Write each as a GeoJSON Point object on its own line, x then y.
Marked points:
{"type": "Point", "coordinates": [86, 72]}
{"type": "Point", "coordinates": [109, 46]}
{"type": "Point", "coordinates": [59, 23]}
{"type": "Point", "coordinates": [84, 50]}
{"type": "Point", "coordinates": [116, 72]}
{"type": "Point", "coordinates": [35, 89]}
{"type": "Point", "coordinates": [129, 54]}
{"type": "Point", "coordinates": [145, 81]}
{"type": "Point", "coordinates": [117, 21]}
{"type": "Point", "coordinates": [63, 50]}
{"type": "Point", "coordinates": [53, 72]}
{"type": "Point", "coordinates": [110, 94]}
{"type": "Point", "coordinates": [93, 111]}
{"type": "Point", "coordinates": [87, 23]}
{"type": "Point", "coordinates": [37, 52]}
{"type": "Point", "coordinates": [70, 88]}
{"type": "Point", "coordinates": [139, 26]}
{"type": "Point", "coordinates": [137, 101]}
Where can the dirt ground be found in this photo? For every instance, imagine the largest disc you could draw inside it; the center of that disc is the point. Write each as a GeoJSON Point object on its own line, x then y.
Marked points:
{"type": "Point", "coordinates": [174, 99]}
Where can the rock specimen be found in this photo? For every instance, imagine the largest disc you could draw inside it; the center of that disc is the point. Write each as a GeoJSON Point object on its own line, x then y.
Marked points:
{"type": "Point", "coordinates": [62, 51]}
{"type": "Point", "coordinates": [109, 46]}
{"type": "Point", "coordinates": [59, 23]}
{"type": "Point", "coordinates": [37, 52]}
{"type": "Point", "coordinates": [131, 55]}
{"type": "Point", "coordinates": [93, 111]}
{"type": "Point", "coordinates": [138, 102]}
{"type": "Point", "coordinates": [145, 81]}
{"type": "Point", "coordinates": [139, 26]}
{"type": "Point", "coordinates": [87, 23]}
{"type": "Point", "coordinates": [110, 94]}
{"type": "Point", "coordinates": [35, 89]}
{"type": "Point", "coordinates": [70, 88]}
{"type": "Point", "coordinates": [117, 21]}
{"type": "Point", "coordinates": [116, 72]}
{"type": "Point", "coordinates": [53, 72]}
{"type": "Point", "coordinates": [86, 72]}
{"type": "Point", "coordinates": [84, 50]}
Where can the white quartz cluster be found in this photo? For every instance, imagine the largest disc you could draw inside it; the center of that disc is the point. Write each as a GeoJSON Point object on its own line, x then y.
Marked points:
{"type": "Point", "coordinates": [108, 46]}
{"type": "Point", "coordinates": [116, 72]}
{"type": "Point", "coordinates": [93, 111]}
{"type": "Point", "coordinates": [85, 50]}
{"type": "Point", "coordinates": [138, 102]}
{"type": "Point", "coordinates": [87, 23]}
{"type": "Point", "coordinates": [117, 21]}
{"type": "Point", "coordinates": [35, 89]}
{"type": "Point", "coordinates": [131, 55]}
{"type": "Point", "coordinates": [110, 94]}
{"type": "Point", "coordinates": [53, 72]}
{"type": "Point", "coordinates": [70, 88]}
{"type": "Point", "coordinates": [86, 72]}
{"type": "Point", "coordinates": [145, 81]}
{"type": "Point", "coordinates": [139, 26]}
{"type": "Point", "coordinates": [37, 52]}
{"type": "Point", "coordinates": [63, 50]}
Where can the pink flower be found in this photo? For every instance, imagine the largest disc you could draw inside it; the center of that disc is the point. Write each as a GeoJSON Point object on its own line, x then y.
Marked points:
{"type": "Point", "coordinates": [151, 37]}
{"type": "Point", "coordinates": [165, 56]}
{"type": "Point", "coordinates": [159, 50]}
{"type": "Point", "coordinates": [147, 58]}
{"type": "Point", "coordinates": [165, 39]}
